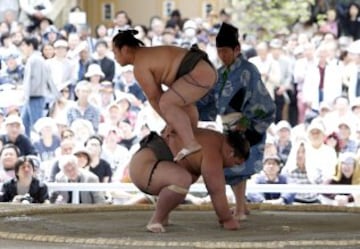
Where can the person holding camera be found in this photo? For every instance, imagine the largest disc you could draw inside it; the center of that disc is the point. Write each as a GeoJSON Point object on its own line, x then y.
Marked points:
{"type": "Point", "coordinates": [24, 187]}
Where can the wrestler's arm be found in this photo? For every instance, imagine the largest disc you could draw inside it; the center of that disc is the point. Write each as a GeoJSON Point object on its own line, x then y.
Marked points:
{"type": "Point", "coordinates": [151, 88]}
{"type": "Point", "coordinates": [213, 175]}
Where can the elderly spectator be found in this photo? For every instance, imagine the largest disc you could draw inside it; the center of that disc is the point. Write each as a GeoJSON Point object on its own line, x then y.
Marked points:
{"type": "Point", "coordinates": [71, 172]}
{"type": "Point", "coordinates": [66, 148]}
{"type": "Point", "coordinates": [25, 187]}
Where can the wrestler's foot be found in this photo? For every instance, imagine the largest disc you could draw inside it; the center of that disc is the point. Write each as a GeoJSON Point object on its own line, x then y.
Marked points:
{"type": "Point", "coordinates": [184, 152]}
{"type": "Point", "coordinates": [240, 217]}
{"type": "Point", "coordinates": [155, 228]}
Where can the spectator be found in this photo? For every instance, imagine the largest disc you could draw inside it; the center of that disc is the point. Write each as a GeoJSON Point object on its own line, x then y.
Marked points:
{"type": "Point", "coordinates": [47, 51]}
{"type": "Point", "coordinates": [121, 21]}
{"type": "Point", "coordinates": [283, 140]}
{"type": "Point", "coordinates": [71, 172]}
{"type": "Point", "coordinates": [350, 22]}
{"type": "Point", "coordinates": [107, 65]}
{"type": "Point", "coordinates": [83, 156]}
{"type": "Point", "coordinates": [295, 172]}
{"type": "Point", "coordinates": [61, 68]}
{"type": "Point", "coordinates": [25, 187]}
{"type": "Point", "coordinates": [82, 129]}
{"type": "Point", "coordinates": [270, 175]}
{"type": "Point", "coordinates": [346, 132]}
{"type": "Point", "coordinates": [13, 73]}
{"type": "Point", "coordinates": [82, 109]}
{"type": "Point", "coordinates": [66, 148]}
{"type": "Point", "coordinates": [49, 140]}
{"type": "Point", "coordinates": [94, 75]}
{"type": "Point", "coordinates": [9, 154]}
{"type": "Point", "coordinates": [98, 166]}
{"type": "Point", "coordinates": [347, 173]}
{"type": "Point", "coordinates": [128, 84]}
{"type": "Point", "coordinates": [117, 155]}
{"type": "Point", "coordinates": [13, 126]}
{"type": "Point", "coordinates": [38, 84]}
{"type": "Point", "coordinates": [32, 12]}
{"type": "Point", "coordinates": [320, 157]}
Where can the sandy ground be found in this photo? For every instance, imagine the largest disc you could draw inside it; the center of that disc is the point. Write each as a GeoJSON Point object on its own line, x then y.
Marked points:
{"type": "Point", "coordinates": [192, 227]}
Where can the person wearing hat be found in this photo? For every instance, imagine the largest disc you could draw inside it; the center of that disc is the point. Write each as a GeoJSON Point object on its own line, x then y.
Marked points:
{"type": "Point", "coordinates": [187, 74]}
{"type": "Point", "coordinates": [49, 140]}
{"type": "Point", "coordinates": [240, 89]}
{"type": "Point", "coordinates": [13, 135]}
{"type": "Point", "coordinates": [62, 69]}
{"type": "Point", "coordinates": [270, 175]}
{"type": "Point", "coordinates": [320, 157]}
{"type": "Point", "coordinates": [13, 73]}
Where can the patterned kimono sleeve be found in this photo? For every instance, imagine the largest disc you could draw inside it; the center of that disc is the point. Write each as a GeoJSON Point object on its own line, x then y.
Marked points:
{"type": "Point", "coordinates": [258, 106]}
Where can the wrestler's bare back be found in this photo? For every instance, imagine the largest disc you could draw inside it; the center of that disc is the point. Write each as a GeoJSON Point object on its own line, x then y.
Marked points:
{"type": "Point", "coordinates": [211, 142]}
{"type": "Point", "coordinates": [160, 65]}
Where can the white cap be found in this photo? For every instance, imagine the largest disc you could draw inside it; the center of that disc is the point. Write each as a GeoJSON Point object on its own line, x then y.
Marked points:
{"type": "Point", "coordinates": [13, 119]}
{"type": "Point", "coordinates": [94, 69]}
{"type": "Point", "coordinates": [61, 44]}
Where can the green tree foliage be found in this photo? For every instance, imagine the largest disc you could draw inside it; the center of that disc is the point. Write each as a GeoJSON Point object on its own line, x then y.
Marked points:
{"type": "Point", "coordinates": [269, 16]}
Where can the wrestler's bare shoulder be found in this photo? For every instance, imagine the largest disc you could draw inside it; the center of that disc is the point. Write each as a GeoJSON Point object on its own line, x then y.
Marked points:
{"type": "Point", "coordinates": [207, 136]}
{"type": "Point", "coordinates": [157, 52]}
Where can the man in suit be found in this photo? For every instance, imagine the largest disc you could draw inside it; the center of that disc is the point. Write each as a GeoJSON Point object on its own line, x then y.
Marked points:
{"type": "Point", "coordinates": [71, 172]}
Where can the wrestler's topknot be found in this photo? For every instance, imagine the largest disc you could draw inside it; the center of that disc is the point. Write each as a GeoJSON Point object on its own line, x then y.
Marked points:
{"type": "Point", "coordinates": [127, 37]}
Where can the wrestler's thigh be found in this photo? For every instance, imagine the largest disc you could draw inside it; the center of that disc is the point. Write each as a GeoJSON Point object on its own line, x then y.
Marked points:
{"type": "Point", "coordinates": [140, 167]}
{"type": "Point", "coordinates": [191, 87]}
{"type": "Point", "coordinates": [169, 173]}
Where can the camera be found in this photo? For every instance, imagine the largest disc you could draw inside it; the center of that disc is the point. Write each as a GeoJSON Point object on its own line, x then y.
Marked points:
{"type": "Point", "coordinates": [26, 199]}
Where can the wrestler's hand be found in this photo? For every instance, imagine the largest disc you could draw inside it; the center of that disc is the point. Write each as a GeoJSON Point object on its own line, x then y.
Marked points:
{"type": "Point", "coordinates": [230, 224]}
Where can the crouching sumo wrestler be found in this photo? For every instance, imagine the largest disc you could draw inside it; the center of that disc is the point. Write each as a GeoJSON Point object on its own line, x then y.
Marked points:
{"type": "Point", "coordinates": [153, 170]}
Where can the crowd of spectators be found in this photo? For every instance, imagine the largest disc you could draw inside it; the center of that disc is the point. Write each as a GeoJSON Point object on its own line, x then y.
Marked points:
{"type": "Point", "coordinates": [85, 125]}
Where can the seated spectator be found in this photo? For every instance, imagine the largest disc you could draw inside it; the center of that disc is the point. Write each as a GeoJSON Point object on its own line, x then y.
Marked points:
{"type": "Point", "coordinates": [66, 148]}
{"type": "Point", "coordinates": [82, 109]}
{"type": "Point", "coordinates": [71, 172]}
{"type": "Point", "coordinates": [48, 141]}
{"type": "Point", "coordinates": [283, 140]}
{"type": "Point", "coordinates": [13, 74]}
{"type": "Point", "coordinates": [295, 172]}
{"type": "Point", "coordinates": [320, 157]}
{"type": "Point", "coordinates": [347, 173]}
{"type": "Point", "coordinates": [116, 155]}
{"type": "Point", "coordinates": [270, 175]}
{"type": "Point", "coordinates": [8, 156]}
{"type": "Point", "coordinates": [13, 126]}
{"type": "Point", "coordinates": [348, 144]}
{"type": "Point", "coordinates": [98, 166]}
{"type": "Point", "coordinates": [82, 129]}
{"type": "Point", "coordinates": [24, 187]}
{"type": "Point", "coordinates": [83, 156]}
